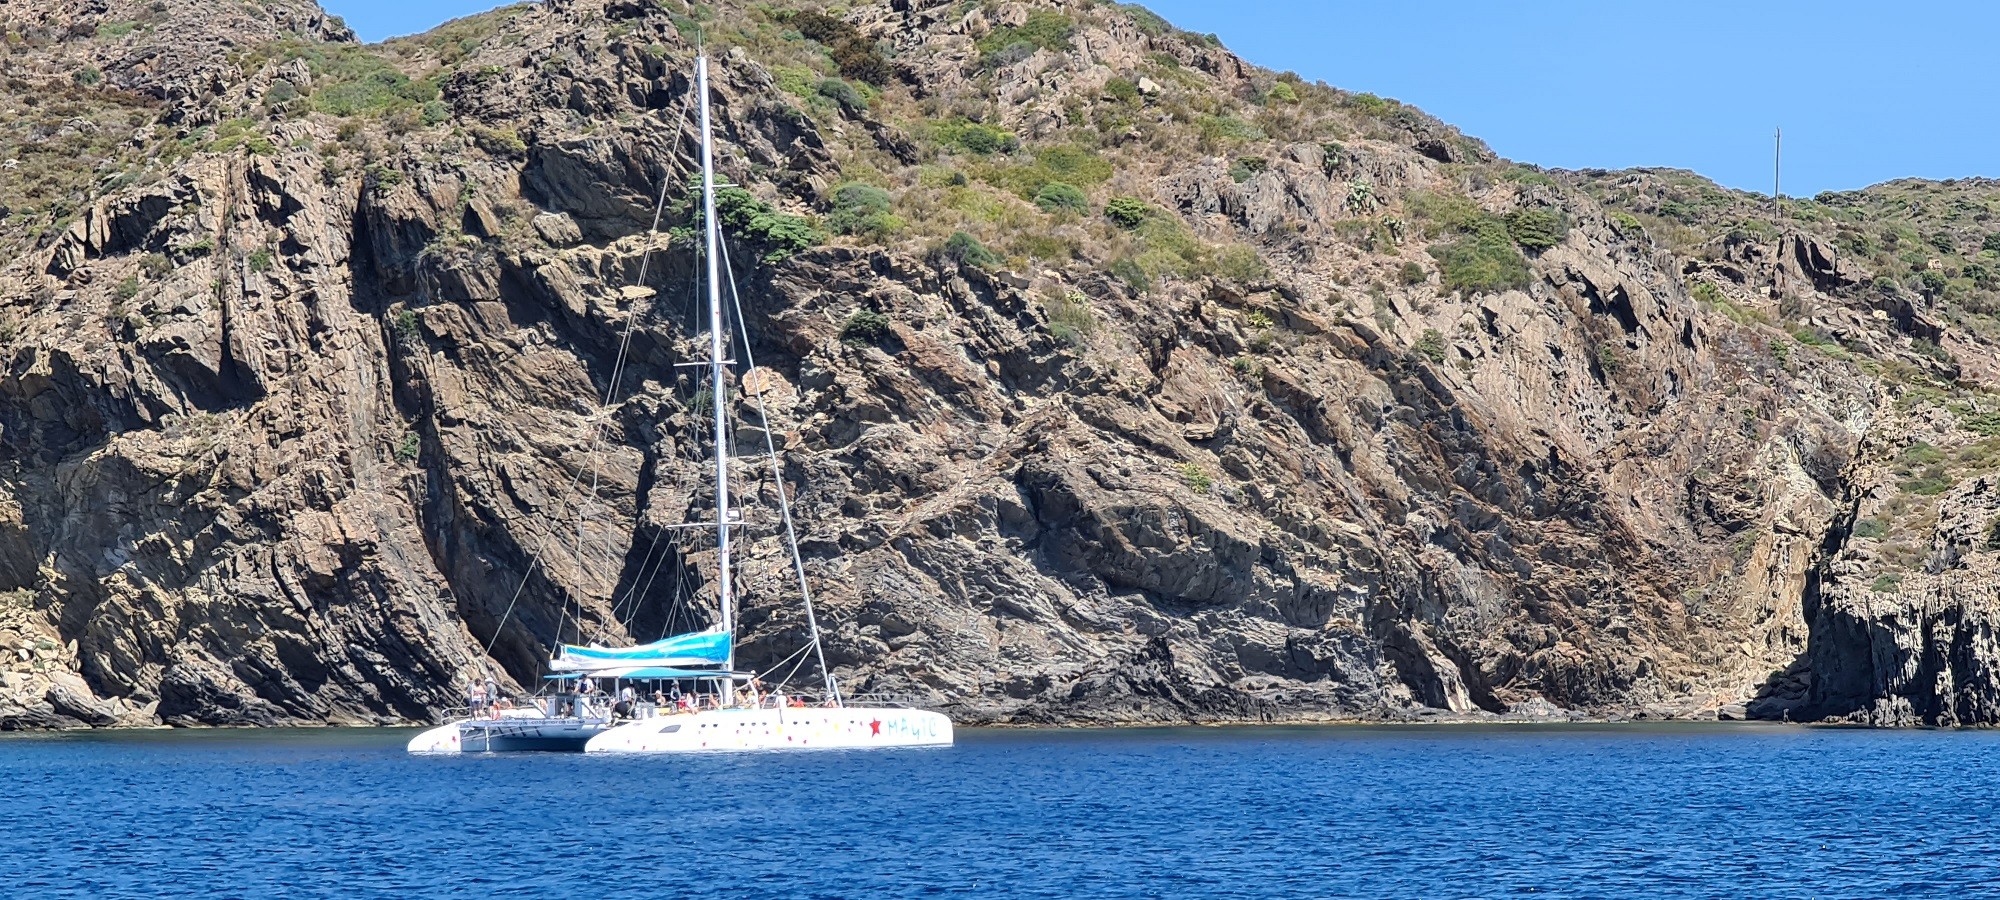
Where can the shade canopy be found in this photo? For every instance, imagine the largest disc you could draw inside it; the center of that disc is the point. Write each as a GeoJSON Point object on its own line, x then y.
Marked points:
{"type": "Point", "coordinates": [701, 648]}
{"type": "Point", "coordinates": [649, 672]}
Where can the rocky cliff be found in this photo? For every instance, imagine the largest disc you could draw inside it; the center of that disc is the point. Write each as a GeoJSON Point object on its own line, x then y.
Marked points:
{"type": "Point", "coordinates": [1117, 380]}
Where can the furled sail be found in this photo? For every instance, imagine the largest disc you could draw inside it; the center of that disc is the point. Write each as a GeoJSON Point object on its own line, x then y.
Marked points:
{"type": "Point", "coordinates": [701, 648]}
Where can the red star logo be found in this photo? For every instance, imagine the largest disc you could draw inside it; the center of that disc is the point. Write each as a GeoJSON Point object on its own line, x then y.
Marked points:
{"type": "Point", "coordinates": [875, 727]}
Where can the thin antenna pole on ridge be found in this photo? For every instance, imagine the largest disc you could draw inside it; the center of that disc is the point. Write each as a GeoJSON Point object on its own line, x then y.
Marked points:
{"type": "Point", "coordinates": [1777, 169]}
{"type": "Point", "coordinates": [1778, 210]}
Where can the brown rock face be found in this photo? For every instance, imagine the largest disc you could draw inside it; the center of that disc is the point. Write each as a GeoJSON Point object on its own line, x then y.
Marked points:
{"type": "Point", "coordinates": [304, 415]}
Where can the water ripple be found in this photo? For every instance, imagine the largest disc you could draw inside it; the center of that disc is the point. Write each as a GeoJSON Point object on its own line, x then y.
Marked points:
{"type": "Point", "coordinates": [1667, 812]}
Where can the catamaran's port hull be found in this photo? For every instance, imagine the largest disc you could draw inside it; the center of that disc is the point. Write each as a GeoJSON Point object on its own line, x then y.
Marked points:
{"type": "Point", "coordinates": [508, 736]}
{"type": "Point", "coordinates": [811, 728]}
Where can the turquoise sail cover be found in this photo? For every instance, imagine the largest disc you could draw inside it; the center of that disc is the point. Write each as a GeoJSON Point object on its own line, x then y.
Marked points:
{"type": "Point", "coordinates": [702, 648]}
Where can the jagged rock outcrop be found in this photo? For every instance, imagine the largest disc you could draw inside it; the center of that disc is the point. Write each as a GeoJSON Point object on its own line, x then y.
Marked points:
{"type": "Point", "coordinates": [1340, 417]}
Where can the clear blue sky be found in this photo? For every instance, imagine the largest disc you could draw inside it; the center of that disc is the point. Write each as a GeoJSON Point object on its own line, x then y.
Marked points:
{"type": "Point", "coordinates": [1865, 92]}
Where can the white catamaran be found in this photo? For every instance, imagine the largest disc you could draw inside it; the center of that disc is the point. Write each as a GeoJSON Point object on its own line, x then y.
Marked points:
{"type": "Point", "coordinates": [721, 708]}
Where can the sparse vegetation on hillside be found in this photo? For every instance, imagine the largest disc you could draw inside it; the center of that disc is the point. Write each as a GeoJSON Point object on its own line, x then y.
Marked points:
{"type": "Point", "coordinates": [862, 209]}
{"type": "Point", "coordinates": [864, 327]}
{"type": "Point", "coordinates": [1231, 307]}
{"type": "Point", "coordinates": [1044, 29]}
{"type": "Point", "coordinates": [1483, 261]}
{"type": "Point", "coordinates": [775, 235]}
{"type": "Point", "coordinates": [853, 53]}
{"type": "Point", "coordinates": [964, 249]}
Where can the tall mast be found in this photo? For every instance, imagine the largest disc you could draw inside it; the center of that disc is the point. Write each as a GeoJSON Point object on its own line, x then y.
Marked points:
{"type": "Point", "coordinates": [715, 362]}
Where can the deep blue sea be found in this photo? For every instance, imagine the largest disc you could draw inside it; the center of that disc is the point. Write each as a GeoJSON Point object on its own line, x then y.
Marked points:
{"type": "Point", "coordinates": [1426, 811]}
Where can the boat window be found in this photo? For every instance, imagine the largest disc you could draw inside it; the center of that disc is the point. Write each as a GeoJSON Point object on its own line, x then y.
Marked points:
{"type": "Point", "coordinates": [670, 729]}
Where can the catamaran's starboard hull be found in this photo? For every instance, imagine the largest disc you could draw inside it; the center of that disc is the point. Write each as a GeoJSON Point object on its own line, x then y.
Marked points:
{"type": "Point", "coordinates": [812, 728]}
{"type": "Point", "coordinates": [509, 736]}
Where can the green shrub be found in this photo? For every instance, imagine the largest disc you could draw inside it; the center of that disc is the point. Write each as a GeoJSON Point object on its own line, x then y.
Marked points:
{"type": "Point", "coordinates": [1220, 129]}
{"type": "Point", "coordinates": [1039, 245]}
{"type": "Point", "coordinates": [351, 80]}
{"type": "Point", "coordinates": [1992, 541]}
{"type": "Point", "coordinates": [1196, 479]}
{"type": "Point", "coordinates": [499, 141]}
{"type": "Point", "coordinates": [1044, 30]}
{"type": "Point", "coordinates": [1932, 482]}
{"type": "Point", "coordinates": [1067, 164]}
{"type": "Point", "coordinates": [87, 76]}
{"type": "Point", "coordinates": [1128, 270]}
{"type": "Point", "coordinates": [1167, 248]}
{"type": "Point", "coordinates": [862, 61]}
{"type": "Point", "coordinates": [750, 220]}
{"type": "Point", "coordinates": [1241, 264]}
{"type": "Point", "coordinates": [1482, 262]}
{"type": "Point", "coordinates": [1073, 164]}
{"type": "Point", "coordinates": [1992, 242]}
{"type": "Point", "coordinates": [852, 53]}
{"type": "Point", "coordinates": [1931, 350]}
{"type": "Point", "coordinates": [1248, 167]}
{"type": "Point", "coordinates": [434, 112]}
{"type": "Point", "coordinates": [1070, 317]}
{"type": "Point", "coordinates": [1431, 345]}
{"type": "Point", "coordinates": [1438, 214]}
{"type": "Point", "coordinates": [281, 93]}
{"type": "Point", "coordinates": [1886, 584]}
{"type": "Point", "coordinates": [862, 209]}
{"type": "Point", "coordinates": [1412, 273]}
{"type": "Point", "coordinates": [1282, 93]}
{"type": "Point", "coordinates": [844, 94]}
{"type": "Point", "coordinates": [1870, 528]}
{"type": "Point", "coordinates": [408, 448]}
{"type": "Point", "coordinates": [864, 328]}
{"type": "Point", "coordinates": [1609, 360]}
{"type": "Point", "coordinates": [966, 250]}
{"type": "Point", "coordinates": [405, 325]}
{"type": "Point", "coordinates": [260, 261]}
{"type": "Point", "coordinates": [243, 133]}
{"type": "Point", "coordinates": [1122, 90]}
{"type": "Point", "coordinates": [127, 289]}
{"type": "Point", "coordinates": [1008, 55]}
{"type": "Point", "coordinates": [1059, 197]}
{"type": "Point", "coordinates": [1127, 212]}
{"type": "Point", "coordinates": [1921, 453]}
{"type": "Point", "coordinates": [155, 266]}
{"type": "Point", "coordinates": [1369, 105]}
{"type": "Point", "coordinates": [975, 137]}
{"type": "Point", "coordinates": [1536, 229]}
{"type": "Point", "coordinates": [1982, 423]}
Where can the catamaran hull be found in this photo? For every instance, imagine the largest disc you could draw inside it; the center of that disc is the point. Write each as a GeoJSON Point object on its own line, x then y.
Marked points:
{"type": "Point", "coordinates": [811, 728]}
{"type": "Point", "coordinates": [508, 736]}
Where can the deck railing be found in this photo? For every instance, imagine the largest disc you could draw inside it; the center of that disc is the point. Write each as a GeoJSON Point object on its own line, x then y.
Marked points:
{"type": "Point", "coordinates": [600, 706]}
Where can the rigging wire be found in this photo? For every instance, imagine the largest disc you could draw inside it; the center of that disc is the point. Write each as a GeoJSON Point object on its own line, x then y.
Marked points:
{"type": "Point", "coordinates": [618, 369]}
{"type": "Point", "coordinates": [598, 427]}
{"type": "Point", "coordinates": [778, 480]}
